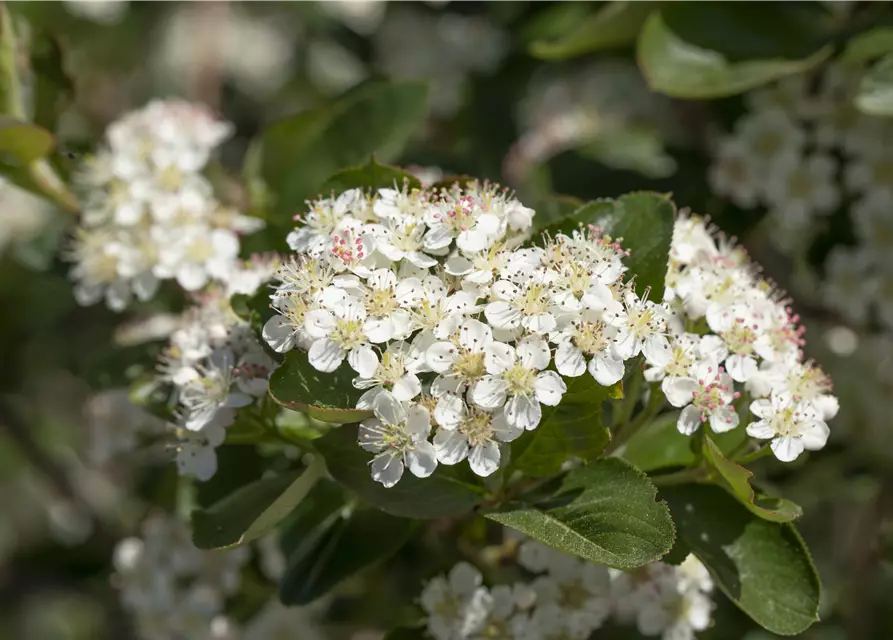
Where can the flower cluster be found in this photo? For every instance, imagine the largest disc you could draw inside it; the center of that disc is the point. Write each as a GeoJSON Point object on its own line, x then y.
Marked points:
{"type": "Point", "coordinates": [754, 340]}
{"type": "Point", "coordinates": [148, 212]}
{"type": "Point", "coordinates": [216, 365]}
{"type": "Point", "coordinates": [449, 324]}
{"type": "Point", "coordinates": [568, 599]}
{"type": "Point", "coordinates": [175, 590]}
{"type": "Point", "coordinates": [803, 150]}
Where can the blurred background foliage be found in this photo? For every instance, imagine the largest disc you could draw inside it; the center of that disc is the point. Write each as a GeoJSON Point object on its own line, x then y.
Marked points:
{"type": "Point", "coordinates": [575, 99]}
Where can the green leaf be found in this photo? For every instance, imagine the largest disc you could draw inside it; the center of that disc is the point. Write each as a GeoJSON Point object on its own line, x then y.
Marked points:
{"type": "Point", "coordinates": [364, 538]}
{"type": "Point", "coordinates": [875, 95]}
{"type": "Point", "coordinates": [330, 397]}
{"type": "Point", "coordinates": [604, 512]}
{"type": "Point", "coordinates": [252, 510]}
{"type": "Point", "coordinates": [23, 141]}
{"type": "Point", "coordinates": [613, 25]}
{"type": "Point", "coordinates": [659, 444]}
{"type": "Point", "coordinates": [634, 149]}
{"type": "Point", "coordinates": [743, 31]}
{"type": "Point", "coordinates": [449, 491]}
{"type": "Point", "coordinates": [299, 153]}
{"type": "Point", "coordinates": [10, 87]}
{"type": "Point", "coordinates": [868, 45]}
{"type": "Point", "coordinates": [677, 68]}
{"type": "Point", "coordinates": [737, 480]}
{"type": "Point", "coordinates": [369, 176]}
{"type": "Point", "coordinates": [573, 428]}
{"type": "Point", "coordinates": [311, 519]}
{"type": "Point", "coordinates": [553, 208]}
{"type": "Point", "coordinates": [763, 567]}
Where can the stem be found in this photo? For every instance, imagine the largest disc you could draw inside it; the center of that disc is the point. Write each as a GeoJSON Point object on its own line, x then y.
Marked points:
{"type": "Point", "coordinates": [626, 431]}
{"type": "Point", "coordinates": [685, 476]}
{"type": "Point", "coordinates": [631, 396]}
{"type": "Point", "coordinates": [51, 186]}
{"type": "Point", "coordinates": [755, 455]}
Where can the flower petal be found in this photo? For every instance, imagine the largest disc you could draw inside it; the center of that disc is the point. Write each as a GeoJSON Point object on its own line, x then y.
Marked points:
{"type": "Point", "coordinates": [279, 334]}
{"type": "Point", "coordinates": [387, 468]}
{"type": "Point", "coordinates": [523, 412]}
{"type": "Point", "coordinates": [422, 459]}
{"type": "Point", "coordinates": [325, 355]}
{"type": "Point", "coordinates": [569, 360]}
{"type": "Point", "coordinates": [484, 459]}
{"type": "Point", "coordinates": [606, 370]}
{"type": "Point", "coordinates": [689, 420]}
{"type": "Point", "coordinates": [363, 360]}
{"type": "Point", "coordinates": [549, 387]}
{"type": "Point", "coordinates": [533, 353]}
{"type": "Point", "coordinates": [450, 447]}
{"type": "Point", "coordinates": [489, 392]}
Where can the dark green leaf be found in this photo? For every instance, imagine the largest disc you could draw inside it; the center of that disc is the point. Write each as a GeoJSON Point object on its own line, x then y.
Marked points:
{"type": "Point", "coordinates": [23, 141]}
{"type": "Point", "coordinates": [604, 512]}
{"type": "Point", "coordinates": [875, 96]}
{"type": "Point", "coordinates": [571, 429]}
{"type": "Point", "coordinates": [330, 397]}
{"type": "Point", "coordinates": [613, 25]}
{"type": "Point", "coordinates": [252, 510]}
{"type": "Point", "coordinates": [743, 31]}
{"type": "Point", "coordinates": [299, 153]}
{"type": "Point", "coordinates": [678, 68]}
{"type": "Point", "coordinates": [634, 149]}
{"type": "Point", "coordinates": [369, 176]}
{"type": "Point", "coordinates": [364, 538]}
{"type": "Point", "coordinates": [762, 566]}
{"type": "Point", "coordinates": [312, 518]}
{"type": "Point", "coordinates": [552, 209]}
{"type": "Point", "coordinates": [449, 491]}
{"type": "Point", "coordinates": [737, 480]}
{"type": "Point", "coordinates": [659, 444]}
{"type": "Point", "coordinates": [237, 466]}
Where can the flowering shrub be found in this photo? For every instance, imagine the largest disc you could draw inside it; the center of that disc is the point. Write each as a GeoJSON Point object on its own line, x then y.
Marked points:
{"type": "Point", "coordinates": [339, 392]}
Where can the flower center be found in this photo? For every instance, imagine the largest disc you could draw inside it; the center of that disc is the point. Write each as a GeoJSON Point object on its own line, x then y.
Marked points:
{"type": "Point", "coordinates": [477, 428]}
{"type": "Point", "coordinates": [348, 333]}
{"type": "Point", "coordinates": [642, 321]}
{"type": "Point", "coordinates": [681, 361]}
{"type": "Point", "coordinates": [469, 366]}
{"type": "Point", "coordinates": [520, 380]}
{"type": "Point", "coordinates": [388, 436]}
{"type": "Point", "coordinates": [589, 337]}
{"type": "Point", "coordinates": [740, 337]}
{"type": "Point", "coordinates": [533, 301]}
{"type": "Point", "coordinates": [380, 302]}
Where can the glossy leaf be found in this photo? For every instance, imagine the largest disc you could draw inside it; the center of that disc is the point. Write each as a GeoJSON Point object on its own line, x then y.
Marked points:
{"type": "Point", "coordinates": [659, 444]}
{"type": "Point", "coordinates": [252, 510]}
{"type": "Point", "coordinates": [613, 25]}
{"type": "Point", "coordinates": [680, 69]}
{"type": "Point", "coordinates": [573, 428]}
{"type": "Point", "coordinates": [605, 512]}
{"type": "Point", "coordinates": [763, 567]}
{"type": "Point", "coordinates": [449, 491]}
{"type": "Point", "coordinates": [742, 31]}
{"type": "Point", "coordinates": [330, 397]}
{"type": "Point", "coordinates": [352, 543]}
{"type": "Point", "coordinates": [737, 480]}
{"type": "Point", "coordinates": [875, 96]}
{"type": "Point", "coordinates": [298, 154]}
{"type": "Point", "coordinates": [371, 175]}
{"type": "Point", "coordinates": [23, 142]}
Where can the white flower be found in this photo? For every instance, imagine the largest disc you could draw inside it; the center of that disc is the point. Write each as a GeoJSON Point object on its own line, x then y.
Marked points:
{"type": "Point", "coordinates": [798, 188]}
{"type": "Point", "coordinates": [468, 432]}
{"type": "Point", "coordinates": [705, 394]}
{"type": "Point", "coordinates": [592, 339]}
{"type": "Point", "coordinates": [196, 455]}
{"type": "Point", "coordinates": [430, 306]}
{"type": "Point", "coordinates": [517, 382]}
{"type": "Point", "coordinates": [461, 362]}
{"type": "Point", "coordinates": [874, 224]}
{"type": "Point", "coordinates": [792, 426]}
{"type": "Point", "coordinates": [286, 329]}
{"type": "Point", "coordinates": [210, 397]}
{"type": "Point", "coordinates": [396, 372]}
{"type": "Point", "coordinates": [321, 221]}
{"type": "Point", "coordinates": [739, 328]}
{"type": "Point", "coordinates": [195, 254]}
{"type": "Point", "coordinates": [530, 306]}
{"type": "Point", "coordinates": [339, 331]}
{"type": "Point", "coordinates": [400, 238]}
{"type": "Point", "coordinates": [387, 319]}
{"type": "Point", "coordinates": [457, 605]}
{"type": "Point", "coordinates": [463, 219]}
{"type": "Point", "coordinates": [398, 434]}
{"type": "Point", "coordinates": [735, 173]}
{"type": "Point", "coordinates": [770, 136]}
{"type": "Point", "coordinates": [642, 328]}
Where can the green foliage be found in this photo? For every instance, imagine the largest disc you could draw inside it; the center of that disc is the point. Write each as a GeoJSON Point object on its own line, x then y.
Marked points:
{"type": "Point", "coordinates": [875, 96]}
{"type": "Point", "coordinates": [681, 69]}
{"type": "Point", "coordinates": [737, 480]}
{"type": "Point", "coordinates": [350, 543]}
{"type": "Point", "coordinates": [449, 491]}
{"type": "Point", "coordinates": [612, 25]}
{"type": "Point", "coordinates": [762, 566]}
{"type": "Point", "coordinates": [371, 175]}
{"type": "Point", "coordinates": [330, 397]}
{"type": "Point", "coordinates": [868, 45]}
{"type": "Point", "coordinates": [252, 510]}
{"type": "Point", "coordinates": [573, 428]}
{"type": "Point", "coordinates": [785, 30]}
{"type": "Point", "coordinates": [605, 512]}
{"type": "Point", "coordinates": [300, 152]}
{"type": "Point", "coordinates": [23, 142]}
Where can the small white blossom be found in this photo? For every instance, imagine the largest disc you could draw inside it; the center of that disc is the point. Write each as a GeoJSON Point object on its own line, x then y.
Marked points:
{"type": "Point", "coordinates": [792, 426]}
